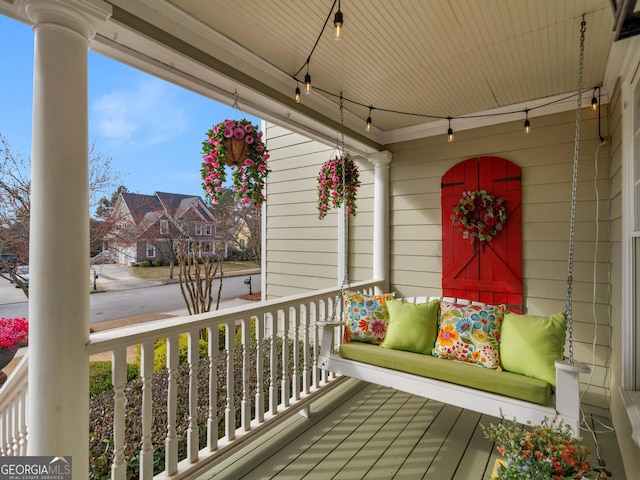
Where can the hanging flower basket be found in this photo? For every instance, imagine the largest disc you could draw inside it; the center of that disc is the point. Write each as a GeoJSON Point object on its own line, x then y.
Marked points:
{"type": "Point", "coordinates": [330, 185]}
{"type": "Point", "coordinates": [237, 145]}
{"type": "Point", "coordinates": [479, 216]}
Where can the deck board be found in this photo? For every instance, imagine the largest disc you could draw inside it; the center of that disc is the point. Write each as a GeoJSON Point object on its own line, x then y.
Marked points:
{"type": "Point", "coordinates": [364, 431]}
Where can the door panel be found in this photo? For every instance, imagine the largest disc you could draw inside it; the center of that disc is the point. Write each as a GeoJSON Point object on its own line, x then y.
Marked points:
{"type": "Point", "coordinates": [491, 273]}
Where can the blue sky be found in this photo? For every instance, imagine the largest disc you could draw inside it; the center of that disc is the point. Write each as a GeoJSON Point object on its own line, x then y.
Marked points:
{"type": "Point", "coordinates": [150, 128]}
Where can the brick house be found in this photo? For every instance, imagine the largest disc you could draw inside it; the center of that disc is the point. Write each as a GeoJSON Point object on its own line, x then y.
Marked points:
{"type": "Point", "coordinates": [150, 227]}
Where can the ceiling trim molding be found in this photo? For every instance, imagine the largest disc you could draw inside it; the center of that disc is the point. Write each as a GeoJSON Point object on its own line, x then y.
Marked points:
{"type": "Point", "coordinates": [559, 103]}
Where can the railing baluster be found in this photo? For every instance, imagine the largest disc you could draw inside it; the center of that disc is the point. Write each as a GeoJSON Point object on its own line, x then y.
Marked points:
{"type": "Point", "coordinates": [192, 431]}
{"type": "Point", "coordinates": [212, 420]}
{"type": "Point", "coordinates": [171, 441]}
{"type": "Point", "coordinates": [230, 412]}
{"type": "Point", "coordinates": [119, 377]}
{"type": "Point", "coordinates": [306, 360]}
{"type": "Point", "coordinates": [14, 429]}
{"type": "Point", "coordinates": [146, 373]}
{"type": "Point", "coordinates": [296, 354]}
{"type": "Point", "coordinates": [246, 399]}
{"type": "Point", "coordinates": [284, 314]}
{"type": "Point", "coordinates": [259, 368]}
{"type": "Point", "coordinates": [3, 432]}
{"type": "Point", "coordinates": [273, 380]}
{"type": "Point", "coordinates": [22, 437]}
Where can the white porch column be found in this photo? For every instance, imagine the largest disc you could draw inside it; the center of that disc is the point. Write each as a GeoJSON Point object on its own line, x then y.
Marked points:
{"type": "Point", "coordinates": [58, 403]}
{"type": "Point", "coordinates": [381, 161]}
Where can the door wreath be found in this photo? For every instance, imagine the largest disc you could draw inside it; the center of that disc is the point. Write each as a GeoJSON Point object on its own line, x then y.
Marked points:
{"type": "Point", "coordinates": [479, 216]}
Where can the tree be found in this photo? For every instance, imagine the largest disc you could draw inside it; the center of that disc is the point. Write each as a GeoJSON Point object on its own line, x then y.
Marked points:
{"type": "Point", "coordinates": [15, 201]}
{"type": "Point", "coordinates": [240, 226]}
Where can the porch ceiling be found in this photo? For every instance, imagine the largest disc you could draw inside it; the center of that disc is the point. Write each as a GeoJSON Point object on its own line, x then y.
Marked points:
{"type": "Point", "coordinates": [444, 58]}
{"type": "Point", "coordinates": [427, 57]}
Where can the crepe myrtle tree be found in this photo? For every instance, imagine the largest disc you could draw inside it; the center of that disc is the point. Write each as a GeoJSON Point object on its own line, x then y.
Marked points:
{"type": "Point", "coordinates": [15, 203]}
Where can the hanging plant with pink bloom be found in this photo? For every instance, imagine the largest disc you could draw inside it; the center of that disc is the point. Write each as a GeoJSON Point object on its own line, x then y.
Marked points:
{"type": "Point", "coordinates": [335, 174]}
{"type": "Point", "coordinates": [239, 146]}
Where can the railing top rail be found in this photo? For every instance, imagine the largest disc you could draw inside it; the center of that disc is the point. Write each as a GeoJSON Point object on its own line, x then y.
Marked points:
{"type": "Point", "coordinates": [118, 337]}
{"type": "Point", "coordinates": [15, 383]}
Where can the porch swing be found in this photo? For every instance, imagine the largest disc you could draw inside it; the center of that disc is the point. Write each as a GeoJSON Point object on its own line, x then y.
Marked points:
{"type": "Point", "coordinates": [456, 383]}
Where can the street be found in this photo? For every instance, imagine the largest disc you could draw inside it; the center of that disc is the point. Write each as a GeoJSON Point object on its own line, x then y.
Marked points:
{"type": "Point", "coordinates": [116, 304]}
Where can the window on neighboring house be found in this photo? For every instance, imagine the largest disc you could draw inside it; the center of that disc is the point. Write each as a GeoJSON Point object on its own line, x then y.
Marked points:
{"type": "Point", "coordinates": [203, 229]}
{"type": "Point", "coordinates": [122, 225]}
{"type": "Point", "coordinates": [243, 243]}
{"type": "Point", "coordinates": [151, 250]}
{"type": "Point", "coordinates": [164, 227]}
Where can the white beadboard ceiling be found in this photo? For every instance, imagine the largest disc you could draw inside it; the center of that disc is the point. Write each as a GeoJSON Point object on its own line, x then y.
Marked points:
{"type": "Point", "coordinates": [440, 58]}
{"type": "Point", "coordinates": [433, 57]}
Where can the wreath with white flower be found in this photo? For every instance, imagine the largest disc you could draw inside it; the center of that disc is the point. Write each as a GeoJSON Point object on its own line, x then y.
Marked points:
{"type": "Point", "coordinates": [238, 145]}
{"type": "Point", "coordinates": [479, 216]}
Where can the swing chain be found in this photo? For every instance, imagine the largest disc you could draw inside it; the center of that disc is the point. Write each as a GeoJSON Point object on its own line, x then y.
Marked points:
{"type": "Point", "coordinates": [345, 216]}
{"type": "Point", "coordinates": [574, 190]}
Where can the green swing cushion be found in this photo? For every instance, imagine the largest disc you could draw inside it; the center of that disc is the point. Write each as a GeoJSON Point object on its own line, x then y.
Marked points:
{"type": "Point", "coordinates": [530, 345]}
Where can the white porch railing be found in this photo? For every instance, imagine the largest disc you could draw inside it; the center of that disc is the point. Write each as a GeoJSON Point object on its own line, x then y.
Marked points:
{"type": "Point", "coordinates": [13, 411]}
{"type": "Point", "coordinates": [233, 377]}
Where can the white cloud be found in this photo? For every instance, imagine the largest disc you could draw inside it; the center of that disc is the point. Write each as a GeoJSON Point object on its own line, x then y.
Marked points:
{"type": "Point", "coordinates": [146, 114]}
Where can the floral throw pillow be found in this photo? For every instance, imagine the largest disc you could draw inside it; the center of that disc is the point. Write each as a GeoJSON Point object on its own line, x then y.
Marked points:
{"type": "Point", "coordinates": [470, 333]}
{"type": "Point", "coordinates": [366, 317]}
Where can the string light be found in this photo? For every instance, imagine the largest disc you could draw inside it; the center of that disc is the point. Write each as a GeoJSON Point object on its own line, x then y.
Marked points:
{"type": "Point", "coordinates": [338, 22]}
{"type": "Point", "coordinates": [297, 93]}
{"type": "Point", "coordinates": [307, 83]}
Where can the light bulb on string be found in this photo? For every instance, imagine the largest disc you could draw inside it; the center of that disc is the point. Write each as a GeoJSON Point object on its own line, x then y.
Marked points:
{"type": "Point", "coordinates": [297, 93]}
{"type": "Point", "coordinates": [338, 21]}
{"type": "Point", "coordinates": [449, 131]}
{"type": "Point", "coordinates": [594, 100]}
{"type": "Point", "coordinates": [527, 123]}
{"type": "Point", "coordinates": [368, 127]}
{"type": "Point", "coordinates": [307, 83]}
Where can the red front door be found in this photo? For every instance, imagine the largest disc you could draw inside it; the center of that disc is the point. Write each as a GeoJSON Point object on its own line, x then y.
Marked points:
{"type": "Point", "coordinates": [489, 272]}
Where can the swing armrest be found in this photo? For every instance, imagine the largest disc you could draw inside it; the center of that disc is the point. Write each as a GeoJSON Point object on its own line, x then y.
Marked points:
{"type": "Point", "coordinates": [568, 392]}
{"type": "Point", "coordinates": [328, 332]}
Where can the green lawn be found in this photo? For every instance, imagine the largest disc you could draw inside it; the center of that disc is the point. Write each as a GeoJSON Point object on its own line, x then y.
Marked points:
{"type": "Point", "coordinates": [162, 273]}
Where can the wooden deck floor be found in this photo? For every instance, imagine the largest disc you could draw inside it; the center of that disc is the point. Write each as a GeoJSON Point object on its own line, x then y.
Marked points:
{"type": "Point", "coordinates": [364, 431]}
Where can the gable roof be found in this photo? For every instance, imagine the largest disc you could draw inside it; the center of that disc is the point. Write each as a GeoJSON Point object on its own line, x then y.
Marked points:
{"type": "Point", "coordinates": [147, 209]}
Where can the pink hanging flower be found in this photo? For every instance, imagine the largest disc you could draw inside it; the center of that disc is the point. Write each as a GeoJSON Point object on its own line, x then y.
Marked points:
{"type": "Point", "coordinates": [247, 180]}
{"type": "Point", "coordinates": [331, 191]}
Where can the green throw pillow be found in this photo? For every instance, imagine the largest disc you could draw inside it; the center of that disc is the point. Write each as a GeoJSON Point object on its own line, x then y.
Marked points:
{"type": "Point", "coordinates": [412, 326]}
{"type": "Point", "coordinates": [530, 345]}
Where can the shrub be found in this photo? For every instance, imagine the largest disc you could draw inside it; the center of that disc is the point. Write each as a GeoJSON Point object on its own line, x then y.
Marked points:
{"type": "Point", "coordinates": [160, 352]}
{"type": "Point", "coordinates": [158, 262]}
{"type": "Point", "coordinates": [101, 409]}
{"type": "Point", "coordinates": [100, 376]}
{"type": "Point", "coordinates": [145, 263]}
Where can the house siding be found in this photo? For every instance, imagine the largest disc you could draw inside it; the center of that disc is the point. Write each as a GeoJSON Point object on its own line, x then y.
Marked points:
{"type": "Point", "coordinates": [302, 251]}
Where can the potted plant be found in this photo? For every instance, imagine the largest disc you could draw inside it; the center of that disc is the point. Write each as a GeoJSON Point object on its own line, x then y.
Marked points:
{"type": "Point", "coordinates": [14, 333]}
{"type": "Point", "coordinates": [239, 146]}
{"type": "Point", "coordinates": [333, 175]}
{"type": "Point", "coordinates": [540, 452]}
